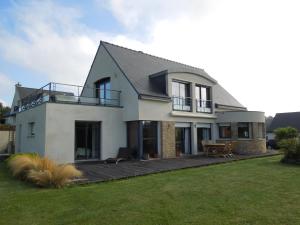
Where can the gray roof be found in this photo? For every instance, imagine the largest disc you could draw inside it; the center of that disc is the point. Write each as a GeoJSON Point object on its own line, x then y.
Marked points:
{"type": "Point", "coordinates": [138, 66]}
{"type": "Point", "coordinates": [291, 119]}
{"type": "Point", "coordinates": [223, 97]}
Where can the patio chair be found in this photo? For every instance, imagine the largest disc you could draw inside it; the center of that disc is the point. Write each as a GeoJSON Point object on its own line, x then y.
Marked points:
{"type": "Point", "coordinates": [204, 143]}
{"type": "Point", "coordinates": [234, 145]}
{"type": "Point", "coordinates": [221, 151]}
{"type": "Point", "coordinates": [124, 154]}
{"type": "Point", "coordinates": [228, 150]}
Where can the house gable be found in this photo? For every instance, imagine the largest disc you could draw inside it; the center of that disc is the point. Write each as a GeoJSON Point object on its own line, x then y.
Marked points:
{"type": "Point", "coordinates": [104, 66]}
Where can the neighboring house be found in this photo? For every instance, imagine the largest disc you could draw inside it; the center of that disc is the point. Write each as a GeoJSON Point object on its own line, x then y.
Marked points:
{"type": "Point", "coordinates": [290, 119]}
{"type": "Point", "coordinates": [158, 107]}
{"type": "Point", "coordinates": [20, 93]}
{"type": "Point", "coordinates": [23, 98]}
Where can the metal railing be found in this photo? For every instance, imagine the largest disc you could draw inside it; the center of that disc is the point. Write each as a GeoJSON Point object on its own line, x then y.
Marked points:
{"type": "Point", "coordinates": [70, 94]}
{"type": "Point", "coordinates": [204, 106]}
{"type": "Point", "coordinates": [182, 103]}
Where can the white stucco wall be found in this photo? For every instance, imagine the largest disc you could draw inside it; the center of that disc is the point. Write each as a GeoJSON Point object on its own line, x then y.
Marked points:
{"type": "Point", "coordinates": [241, 116]}
{"type": "Point", "coordinates": [24, 141]}
{"type": "Point", "coordinates": [162, 111]}
{"type": "Point", "coordinates": [104, 66]}
{"type": "Point", "coordinates": [60, 132]}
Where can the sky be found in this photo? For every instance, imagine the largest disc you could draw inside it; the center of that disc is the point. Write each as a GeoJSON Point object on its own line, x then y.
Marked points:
{"type": "Point", "coordinates": [251, 47]}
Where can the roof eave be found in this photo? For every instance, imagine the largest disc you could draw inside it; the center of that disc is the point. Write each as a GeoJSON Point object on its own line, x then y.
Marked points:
{"type": "Point", "coordinates": [154, 98]}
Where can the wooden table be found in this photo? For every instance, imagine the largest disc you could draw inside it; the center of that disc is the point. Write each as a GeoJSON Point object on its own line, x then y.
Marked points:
{"type": "Point", "coordinates": [214, 148]}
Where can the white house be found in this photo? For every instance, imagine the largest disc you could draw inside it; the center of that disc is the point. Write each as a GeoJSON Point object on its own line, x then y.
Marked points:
{"type": "Point", "coordinates": [158, 107]}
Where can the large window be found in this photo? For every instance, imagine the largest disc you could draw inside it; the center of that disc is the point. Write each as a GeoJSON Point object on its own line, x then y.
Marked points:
{"type": "Point", "coordinates": [224, 130]}
{"type": "Point", "coordinates": [150, 139]}
{"type": "Point", "coordinates": [87, 140]}
{"type": "Point", "coordinates": [243, 130]}
{"type": "Point", "coordinates": [181, 96]}
{"type": "Point", "coordinates": [103, 90]}
{"type": "Point", "coordinates": [182, 140]}
{"type": "Point", "coordinates": [203, 134]}
{"type": "Point", "coordinates": [203, 99]}
{"type": "Point", "coordinates": [142, 138]}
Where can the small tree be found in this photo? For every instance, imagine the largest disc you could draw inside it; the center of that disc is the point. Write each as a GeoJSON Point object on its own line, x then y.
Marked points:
{"type": "Point", "coordinates": [285, 133]}
{"type": "Point", "coordinates": [3, 110]}
{"type": "Point", "coordinates": [288, 141]}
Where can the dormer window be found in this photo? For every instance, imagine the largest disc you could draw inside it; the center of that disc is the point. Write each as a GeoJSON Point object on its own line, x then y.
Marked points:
{"type": "Point", "coordinates": [203, 99]}
{"type": "Point", "coordinates": [103, 91]}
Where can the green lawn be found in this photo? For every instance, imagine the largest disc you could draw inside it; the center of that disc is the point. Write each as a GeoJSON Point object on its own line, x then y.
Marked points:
{"type": "Point", "coordinates": [257, 191]}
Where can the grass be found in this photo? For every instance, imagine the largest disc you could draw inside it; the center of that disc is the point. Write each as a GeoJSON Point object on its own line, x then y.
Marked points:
{"type": "Point", "coordinates": [257, 191]}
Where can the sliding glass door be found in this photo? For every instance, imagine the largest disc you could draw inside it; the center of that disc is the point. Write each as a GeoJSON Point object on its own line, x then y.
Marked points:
{"type": "Point", "coordinates": [203, 134]}
{"type": "Point", "coordinates": [87, 140]}
{"type": "Point", "coordinates": [183, 140]}
{"type": "Point", "coordinates": [150, 139]}
{"type": "Point", "coordinates": [142, 138]}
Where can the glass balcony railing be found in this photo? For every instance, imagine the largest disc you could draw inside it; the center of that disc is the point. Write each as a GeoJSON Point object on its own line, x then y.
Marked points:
{"type": "Point", "coordinates": [204, 106]}
{"type": "Point", "coordinates": [70, 94]}
{"type": "Point", "coordinates": [182, 103]}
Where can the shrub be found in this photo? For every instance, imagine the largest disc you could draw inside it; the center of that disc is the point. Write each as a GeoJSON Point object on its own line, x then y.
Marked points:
{"type": "Point", "coordinates": [42, 171]}
{"type": "Point", "coordinates": [285, 133]}
{"type": "Point", "coordinates": [291, 149]}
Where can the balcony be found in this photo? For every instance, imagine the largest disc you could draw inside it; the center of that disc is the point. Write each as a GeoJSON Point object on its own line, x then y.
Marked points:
{"type": "Point", "coordinates": [182, 103]}
{"type": "Point", "coordinates": [204, 106]}
{"type": "Point", "coordinates": [70, 94]}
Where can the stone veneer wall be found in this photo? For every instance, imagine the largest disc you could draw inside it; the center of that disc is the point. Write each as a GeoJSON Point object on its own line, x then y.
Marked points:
{"type": "Point", "coordinates": [255, 145]}
{"type": "Point", "coordinates": [168, 139]}
{"type": "Point", "coordinates": [248, 147]}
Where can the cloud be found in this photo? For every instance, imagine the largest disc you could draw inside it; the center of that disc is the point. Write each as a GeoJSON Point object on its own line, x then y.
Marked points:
{"type": "Point", "coordinates": [6, 88]}
{"type": "Point", "coordinates": [251, 47]}
{"type": "Point", "coordinates": [51, 41]}
{"type": "Point", "coordinates": [142, 14]}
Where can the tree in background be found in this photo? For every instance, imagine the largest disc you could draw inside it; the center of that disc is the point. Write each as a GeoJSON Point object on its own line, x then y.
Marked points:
{"type": "Point", "coordinates": [3, 111]}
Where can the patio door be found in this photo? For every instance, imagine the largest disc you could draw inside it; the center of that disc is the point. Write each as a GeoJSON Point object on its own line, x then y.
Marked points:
{"type": "Point", "coordinates": [183, 140]}
{"type": "Point", "coordinates": [203, 133]}
{"type": "Point", "coordinates": [87, 140]}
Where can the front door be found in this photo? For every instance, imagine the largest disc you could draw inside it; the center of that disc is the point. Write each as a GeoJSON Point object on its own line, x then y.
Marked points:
{"type": "Point", "coordinates": [87, 140]}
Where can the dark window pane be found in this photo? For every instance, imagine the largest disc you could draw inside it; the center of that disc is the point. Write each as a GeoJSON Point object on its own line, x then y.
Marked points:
{"type": "Point", "coordinates": [103, 90]}
{"type": "Point", "coordinates": [224, 131]}
{"type": "Point", "coordinates": [243, 130]}
{"type": "Point", "coordinates": [150, 138]}
{"type": "Point", "coordinates": [87, 140]}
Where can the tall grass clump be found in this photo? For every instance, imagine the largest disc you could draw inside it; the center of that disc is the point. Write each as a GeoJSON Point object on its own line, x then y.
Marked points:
{"type": "Point", "coordinates": [42, 171]}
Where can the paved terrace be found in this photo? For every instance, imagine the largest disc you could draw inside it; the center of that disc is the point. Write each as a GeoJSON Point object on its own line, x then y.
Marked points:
{"type": "Point", "coordinates": [99, 171]}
